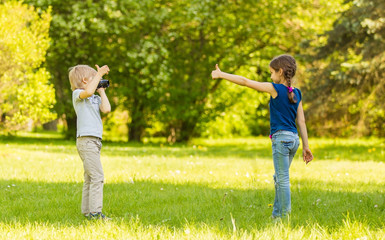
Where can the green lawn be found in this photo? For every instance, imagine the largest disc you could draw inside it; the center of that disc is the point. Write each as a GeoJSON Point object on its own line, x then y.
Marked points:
{"type": "Point", "coordinates": [208, 189]}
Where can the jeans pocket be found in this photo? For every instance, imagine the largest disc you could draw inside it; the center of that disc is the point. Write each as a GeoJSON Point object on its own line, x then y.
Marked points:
{"type": "Point", "coordinates": [284, 146]}
{"type": "Point", "coordinates": [287, 143]}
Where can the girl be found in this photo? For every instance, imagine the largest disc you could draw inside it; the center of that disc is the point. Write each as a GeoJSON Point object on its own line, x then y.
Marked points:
{"type": "Point", "coordinates": [285, 108]}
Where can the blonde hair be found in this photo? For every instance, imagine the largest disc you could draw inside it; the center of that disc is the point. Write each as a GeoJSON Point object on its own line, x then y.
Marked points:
{"type": "Point", "coordinates": [77, 73]}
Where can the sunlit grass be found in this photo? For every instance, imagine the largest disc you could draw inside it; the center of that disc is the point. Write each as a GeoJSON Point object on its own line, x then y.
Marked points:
{"type": "Point", "coordinates": [207, 189]}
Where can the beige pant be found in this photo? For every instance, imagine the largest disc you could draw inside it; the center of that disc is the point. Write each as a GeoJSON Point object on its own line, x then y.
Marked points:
{"type": "Point", "coordinates": [89, 152]}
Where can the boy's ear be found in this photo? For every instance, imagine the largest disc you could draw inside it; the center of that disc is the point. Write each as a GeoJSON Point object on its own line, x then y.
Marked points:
{"type": "Point", "coordinates": [84, 80]}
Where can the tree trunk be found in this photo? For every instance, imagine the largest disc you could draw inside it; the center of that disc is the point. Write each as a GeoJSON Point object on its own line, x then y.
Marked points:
{"type": "Point", "coordinates": [135, 133]}
{"type": "Point", "coordinates": [50, 126]}
{"type": "Point", "coordinates": [138, 123]}
{"type": "Point", "coordinates": [71, 127]}
{"type": "Point", "coordinates": [186, 131]}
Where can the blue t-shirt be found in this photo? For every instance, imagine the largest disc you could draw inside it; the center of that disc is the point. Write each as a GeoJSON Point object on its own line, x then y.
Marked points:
{"type": "Point", "coordinates": [282, 112]}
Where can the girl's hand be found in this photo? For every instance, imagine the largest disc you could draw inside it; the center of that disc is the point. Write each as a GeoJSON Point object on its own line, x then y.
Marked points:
{"type": "Point", "coordinates": [216, 73]}
{"type": "Point", "coordinates": [307, 155]}
{"type": "Point", "coordinates": [102, 70]}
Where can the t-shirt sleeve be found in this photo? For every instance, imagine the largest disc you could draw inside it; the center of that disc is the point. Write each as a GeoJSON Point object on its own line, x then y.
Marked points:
{"type": "Point", "coordinates": [76, 94]}
{"type": "Point", "coordinates": [276, 88]}
{"type": "Point", "coordinates": [299, 95]}
{"type": "Point", "coordinates": [99, 99]}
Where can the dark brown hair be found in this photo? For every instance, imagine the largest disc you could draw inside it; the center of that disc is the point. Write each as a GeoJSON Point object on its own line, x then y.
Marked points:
{"type": "Point", "coordinates": [289, 66]}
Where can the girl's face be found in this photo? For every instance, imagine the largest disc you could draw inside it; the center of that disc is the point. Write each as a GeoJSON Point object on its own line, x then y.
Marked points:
{"type": "Point", "coordinates": [276, 76]}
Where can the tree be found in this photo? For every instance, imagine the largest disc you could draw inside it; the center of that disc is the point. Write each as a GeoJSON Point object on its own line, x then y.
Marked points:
{"type": "Point", "coordinates": [142, 61]}
{"type": "Point", "coordinates": [161, 54]}
{"type": "Point", "coordinates": [351, 86]}
{"type": "Point", "coordinates": [242, 36]}
{"type": "Point", "coordinates": [77, 37]}
{"type": "Point", "coordinates": [122, 34]}
{"type": "Point", "coordinates": [25, 91]}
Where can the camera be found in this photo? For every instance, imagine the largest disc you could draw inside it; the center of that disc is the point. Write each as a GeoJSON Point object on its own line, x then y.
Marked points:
{"type": "Point", "coordinates": [104, 83]}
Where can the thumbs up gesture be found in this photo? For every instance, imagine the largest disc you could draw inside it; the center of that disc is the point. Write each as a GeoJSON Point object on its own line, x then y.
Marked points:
{"type": "Point", "coordinates": [216, 73]}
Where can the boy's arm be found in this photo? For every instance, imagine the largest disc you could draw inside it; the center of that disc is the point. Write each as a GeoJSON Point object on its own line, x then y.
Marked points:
{"type": "Point", "coordinates": [307, 155]}
{"type": "Point", "coordinates": [90, 88]}
{"type": "Point", "coordinates": [105, 106]}
{"type": "Point", "coordinates": [259, 86]}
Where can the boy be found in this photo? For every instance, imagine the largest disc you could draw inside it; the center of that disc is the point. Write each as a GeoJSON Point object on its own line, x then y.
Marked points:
{"type": "Point", "coordinates": [84, 81]}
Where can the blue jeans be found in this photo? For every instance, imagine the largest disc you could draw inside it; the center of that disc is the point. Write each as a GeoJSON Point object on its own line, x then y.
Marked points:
{"type": "Point", "coordinates": [285, 145]}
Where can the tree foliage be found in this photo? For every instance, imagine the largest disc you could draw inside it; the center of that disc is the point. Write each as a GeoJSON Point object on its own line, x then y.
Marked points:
{"type": "Point", "coordinates": [25, 91]}
{"type": "Point", "coordinates": [161, 54]}
{"type": "Point", "coordinates": [122, 34]}
{"type": "Point", "coordinates": [350, 87]}
{"type": "Point", "coordinates": [275, 28]}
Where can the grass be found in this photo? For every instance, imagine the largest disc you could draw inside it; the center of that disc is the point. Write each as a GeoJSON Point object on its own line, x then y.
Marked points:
{"type": "Point", "coordinates": [208, 189]}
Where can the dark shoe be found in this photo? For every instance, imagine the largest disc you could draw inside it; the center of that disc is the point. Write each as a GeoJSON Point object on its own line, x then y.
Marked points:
{"type": "Point", "coordinates": [98, 215]}
{"type": "Point", "coordinates": [275, 219]}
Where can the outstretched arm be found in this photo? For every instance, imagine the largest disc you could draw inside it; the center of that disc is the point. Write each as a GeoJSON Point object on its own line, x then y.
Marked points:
{"type": "Point", "coordinates": [307, 155]}
{"type": "Point", "coordinates": [259, 86]}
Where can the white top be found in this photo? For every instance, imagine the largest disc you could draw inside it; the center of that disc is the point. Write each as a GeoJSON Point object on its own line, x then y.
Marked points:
{"type": "Point", "coordinates": [89, 122]}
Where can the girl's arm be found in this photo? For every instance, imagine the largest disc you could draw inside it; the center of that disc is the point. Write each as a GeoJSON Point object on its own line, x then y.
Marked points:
{"type": "Point", "coordinates": [105, 106]}
{"type": "Point", "coordinates": [259, 86]}
{"type": "Point", "coordinates": [307, 155]}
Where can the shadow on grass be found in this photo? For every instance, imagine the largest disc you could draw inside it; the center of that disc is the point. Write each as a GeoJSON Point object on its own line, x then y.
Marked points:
{"type": "Point", "coordinates": [53, 139]}
{"type": "Point", "coordinates": [352, 150]}
{"type": "Point", "coordinates": [174, 206]}
{"type": "Point", "coordinates": [229, 151]}
{"type": "Point", "coordinates": [59, 145]}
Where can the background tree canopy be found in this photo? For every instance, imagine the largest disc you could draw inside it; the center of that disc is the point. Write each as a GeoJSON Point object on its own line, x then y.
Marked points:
{"type": "Point", "coordinates": [347, 94]}
{"type": "Point", "coordinates": [25, 92]}
{"type": "Point", "coordinates": [161, 54]}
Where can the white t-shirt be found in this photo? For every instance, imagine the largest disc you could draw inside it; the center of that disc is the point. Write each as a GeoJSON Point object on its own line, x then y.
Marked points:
{"type": "Point", "coordinates": [89, 122]}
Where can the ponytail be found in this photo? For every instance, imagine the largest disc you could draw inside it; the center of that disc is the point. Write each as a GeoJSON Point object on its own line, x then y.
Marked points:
{"type": "Point", "coordinates": [290, 93]}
